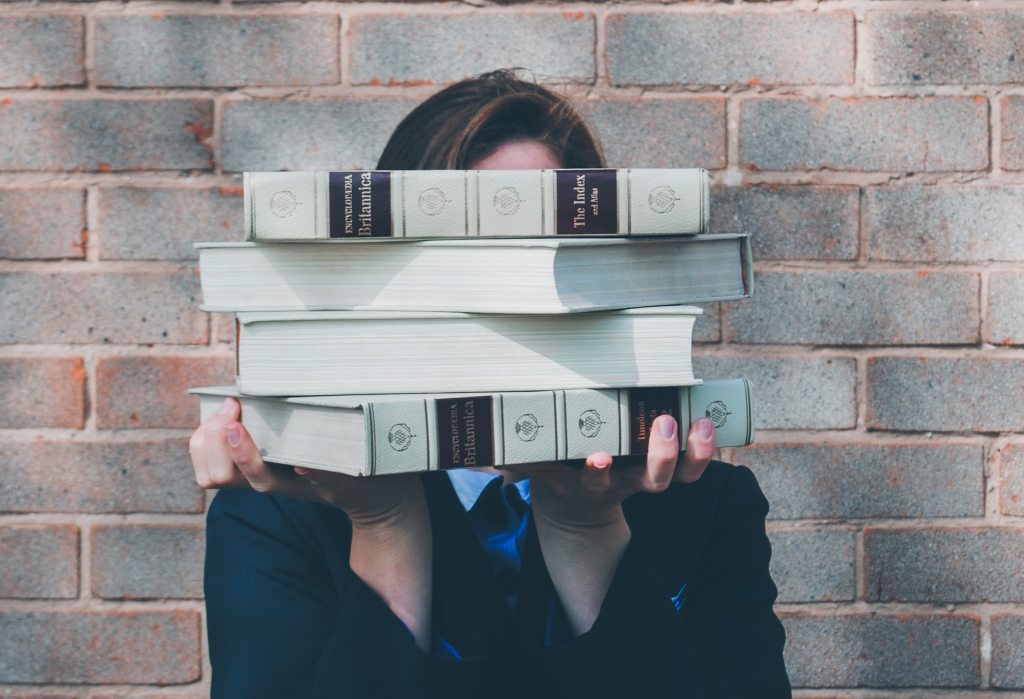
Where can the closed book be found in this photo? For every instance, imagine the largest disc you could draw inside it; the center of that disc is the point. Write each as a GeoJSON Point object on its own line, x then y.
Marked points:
{"type": "Point", "coordinates": [475, 276]}
{"type": "Point", "coordinates": [350, 352]}
{"type": "Point", "coordinates": [460, 203]}
{"type": "Point", "coordinates": [378, 435]}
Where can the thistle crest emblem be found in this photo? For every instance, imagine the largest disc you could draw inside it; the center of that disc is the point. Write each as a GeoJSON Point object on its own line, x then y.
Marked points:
{"type": "Point", "coordinates": [528, 427]}
{"type": "Point", "coordinates": [283, 203]}
{"type": "Point", "coordinates": [662, 199]}
{"type": "Point", "coordinates": [507, 201]}
{"type": "Point", "coordinates": [590, 423]}
{"type": "Point", "coordinates": [400, 436]}
{"type": "Point", "coordinates": [432, 201]}
{"type": "Point", "coordinates": [718, 412]}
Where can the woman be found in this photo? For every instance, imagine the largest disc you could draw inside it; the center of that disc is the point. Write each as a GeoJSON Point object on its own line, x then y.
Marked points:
{"type": "Point", "coordinates": [590, 581]}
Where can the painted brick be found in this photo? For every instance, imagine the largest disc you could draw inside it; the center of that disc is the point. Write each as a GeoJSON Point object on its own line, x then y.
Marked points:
{"type": "Point", "coordinates": [127, 387]}
{"type": "Point", "coordinates": [270, 135]}
{"type": "Point", "coordinates": [889, 134]}
{"type": "Point", "coordinates": [1006, 308]}
{"type": "Point", "coordinates": [162, 223]}
{"type": "Point", "coordinates": [944, 48]}
{"type": "Point", "coordinates": [148, 561]}
{"type": "Point", "coordinates": [223, 327]}
{"type": "Point", "coordinates": [1008, 652]}
{"type": "Point", "coordinates": [814, 565]}
{"type": "Point", "coordinates": [105, 134]}
{"type": "Point", "coordinates": [99, 647]}
{"type": "Point", "coordinates": [661, 133]}
{"type": "Point", "coordinates": [41, 224]}
{"type": "Point", "coordinates": [810, 307]}
{"type": "Point", "coordinates": [883, 651]}
{"type": "Point", "coordinates": [216, 51]}
{"type": "Point", "coordinates": [859, 481]}
{"type": "Point", "coordinates": [404, 48]}
{"type": "Point", "coordinates": [944, 565]}
{"type": "Point", "coordinates": [791, 394]}
{"type": "Point", "coordinates": [1011, 495]}
{"type": "Point", "coordinates": [88, 307]}
{"type": "Point", "coordinates": [41, 51]}
{"type": "Point", "coordinates": [701, 48]}
{"type": "Point", "coordinates": [88, 476]}
{"type": "Point", "coordinates": [42, 392]}
{"type": "Point", "coordinates": [40, 561]}
{"type": "Point", "coordinates": [1012, 126]}
{"type": "Point", "coordinates": [801, 223]}
{"type": "Point", "coordinates": [941, 223]}
{"type": "Point", "coordinates": [963, 394]}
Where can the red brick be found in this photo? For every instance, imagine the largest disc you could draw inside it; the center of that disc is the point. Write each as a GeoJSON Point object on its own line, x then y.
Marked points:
{"type": "Point", "coordinates": [1006, 308]}
{"type": "Point", "coordinates": [42, 392]}
{"type": "Point", "coordinates": [148, 561]}
{"type": "Point", "coordinates": [1012, 125]}
{"type": "Point", "coordinates": [41, 51]}
{"type": "Point", "coordinates": [39, 561]}
{"type": "Point", "coordinates": [42, 224]}
{"type": "Point", "coordinates": [1011, 474]}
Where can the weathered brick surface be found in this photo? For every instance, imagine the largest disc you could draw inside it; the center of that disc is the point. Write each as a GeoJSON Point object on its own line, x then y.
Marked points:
{"type": "Point", "coordinates": [86, 307]}
{"type": "Point", "coordinates": [105, 134]}
{"type": "Point", "coordinates": [923, 134]}
{"type": "Point", "coordinates": [861, 307]}
{"type": "Point", "coordinates": [814, 565]}
{"type": "Point", "coordinates": [223, 327]}
{"type": "Point", "coordinates": [793, 394]}
{"type": "Point", "coordinates": [793, 48]}
{"type": "Point", "coordinates": [942, 223]}
{"type": "Point", "coordinates": [147, 391]}
{"type": "Point", "coordinates": [1006, 307]}
{"type": "Point", "coordinates": [212, 51]}
{"type": "Point", "coordinates": [40, 561]}
{"type": "Point", "coordinates": [883, 651]}
{"type": "Point", "coordinates": [99, 647]}
{"type": "Point", "coordinates": [809, 223]}
{"type": "Point", "coordinates": [87, 476]}
{"type": "Point", "coordinates": [1012, 126]}
{"type": "Point", "coordinates": [390, 49]}
{"type": "Point", "coordinates": [42, 223]}
{"type": "Point", "coordinates": [942, 48]}
{"type": "Point", "coordinates": [661, 133]}
{"type": "Point", "coordinates": [709, 327]}
{"type": "Point", "coordinates": [41, 51]}
{"type": "Point", "coordinates": [147, 561]}
{"type": "Point", "coordinates": [1012, 480]}
{"type": "Point", "coordinates": [1008, 652]}
{"type": "Point", "coordinates": [968, 394]}
{"type": "Point", "coordinates": [162, 223]}
{"type": "Point", "coordinates": [42, 392]}
{"type": "Point", "coordinates": [810, 481]}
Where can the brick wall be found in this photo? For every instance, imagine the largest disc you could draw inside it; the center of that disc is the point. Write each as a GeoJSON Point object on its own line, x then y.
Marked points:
{"type": "Point", "coordinates": [874, 149]}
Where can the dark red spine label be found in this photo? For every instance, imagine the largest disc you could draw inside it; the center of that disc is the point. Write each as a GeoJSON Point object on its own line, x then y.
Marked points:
{"type": "Point", "coordinates": [586, 202]}
{"type": "Point", "coordinates": [360, 204]}
{"type": "Point", "coordinates": [646, 404]}
{"type": "Point", "coordinates": [465, 431]}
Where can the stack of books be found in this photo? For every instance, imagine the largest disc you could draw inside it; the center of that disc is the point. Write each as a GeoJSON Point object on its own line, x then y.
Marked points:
{"type": "Point", "coordinates": [405, 321]}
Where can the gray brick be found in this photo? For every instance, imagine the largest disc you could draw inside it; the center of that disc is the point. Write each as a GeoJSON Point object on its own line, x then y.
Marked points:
{"type": "Point", "coordinates": [441, 48]}
{"type": "Point", "coordinates": [792, 394]}
{"type": "Point", "coordinates": [105, 134]}
{"type": "Point", "coordinates": [701, 48]}
{"type": "Point", "coordinates": [216, 51]}
{"type": "Point", "coordinates": [309, 135]}
{"type": "Point", "coordinates": [1011, 473]}
{"type": "Point", "coordinates": [883, 651]}
{"type": "Point", "coordinates": [963, 394]}
{"type": "Point", "coordinates": [40, 561]}
{"type": "Point", "coordinates": [162, 223]}
{"type": "Point", "coordinates": [148, 561]}
{"type": "Point", "coordinates": [708, 327]}
{"type": "Point", "coordinates": [804, 223]}
{"type": "Point", "coordinates": [88, 307]}
{"type": "Point", "coordinates": [944, 223]}
{"type": "Point", "coordinates": [42, 223]}
{"type": "Point", "coordinates": [42, 392]}
{"type": "Point", "coordinates": [661, 133]}
{"type": "Point", "coordinates": [814, 565]}
{"type": "Point", "coordinates": [1008, 652]}
{"type": "Point", "coordinates": [41, 51]}
{"type": "Point", "coordinates": [99, 647]}
{"type": "Point", "coordinates": [943, 48]}
{"type": "Point", "coordinates": [893, 134]}
{"type": "Point", "coordinates": [811, 307]}
{"type": "Point", "coordinates": [1006, 308]}
{"type": "Point", "coordinates": [862, 481]}
{"type": "Point", "coordinates": [944, 565]}
{"type": "Point", "coordinates": [1012, 126]}
{"type": "Point", "coordinates": [87, 476]}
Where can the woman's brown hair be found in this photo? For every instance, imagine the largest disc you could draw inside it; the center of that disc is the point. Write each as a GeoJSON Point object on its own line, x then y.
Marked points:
{"type": "Point", "coordinates": [469, 120]}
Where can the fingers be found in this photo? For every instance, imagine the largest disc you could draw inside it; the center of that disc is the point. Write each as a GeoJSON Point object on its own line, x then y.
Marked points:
{"type": "Point", "coordinates": [662, 453]}
{"type": "Point", "coordinates": [597, 470]}
{"type": "Point", "coordinates": [246, 456]}
{"type": "Point", "coordinates": [211, 456]}
{"type": "Point", "coordinates": [700, 449]}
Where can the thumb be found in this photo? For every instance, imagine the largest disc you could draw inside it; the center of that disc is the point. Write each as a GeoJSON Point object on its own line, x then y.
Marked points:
{"type": "Point", "coordinates": [246, 456]}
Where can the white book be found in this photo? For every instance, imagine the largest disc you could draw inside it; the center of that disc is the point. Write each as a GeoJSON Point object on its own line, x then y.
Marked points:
{"type": "Point", "coordinates": [469, 203]}
{"type": "Point", "coordinates": [350, 352]}
{"type": "Point", "coordinates": [378, 435]}
{"type": "Point", "coordinates": [475, 276]}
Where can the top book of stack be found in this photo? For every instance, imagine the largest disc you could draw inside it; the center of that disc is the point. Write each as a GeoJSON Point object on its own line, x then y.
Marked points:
{"type": "Point", "coordinates": [475, 203]}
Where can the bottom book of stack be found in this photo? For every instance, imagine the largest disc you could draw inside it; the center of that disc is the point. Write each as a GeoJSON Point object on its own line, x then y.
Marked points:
{"type": "Point", "coordinates": [381, 434]}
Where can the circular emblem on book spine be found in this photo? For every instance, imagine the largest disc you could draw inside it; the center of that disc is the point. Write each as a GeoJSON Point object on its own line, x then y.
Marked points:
{"type": "Point", "coordinates": [662, 199]}
{"type": "Point", "coordinates": [283, 204]}
{"type": "Point", "coordinates": [527, 427]}
{"type": "Point", "coordinates": [590, 423]}
{"type": "Point", "coordinates": [718, 412]}
{"type": "Point", "coordinates": [507, 201]}
{"type": "Point", "coordinates": [400, 436]}
{"type": "Point", "coordinates": [432, 201]}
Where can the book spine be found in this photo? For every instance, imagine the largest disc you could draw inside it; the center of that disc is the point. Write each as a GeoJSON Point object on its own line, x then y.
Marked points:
{"type": "Point", "coordinates": [474, 203]}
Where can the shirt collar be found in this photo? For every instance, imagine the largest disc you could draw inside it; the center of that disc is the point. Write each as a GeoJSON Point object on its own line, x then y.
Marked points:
{"type": "Point", "coordinates": [469, 483]}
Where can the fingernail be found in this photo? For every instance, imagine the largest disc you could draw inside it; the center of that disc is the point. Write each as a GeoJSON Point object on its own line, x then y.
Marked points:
{"type": "Point", "coordinates": [667, 427]}
{"type": "Point", "coordinates": [234, 435]}
{"type": "Point", "coordinates": [705, 428]}
{"type": "Point", "coordinates": [225, 407]}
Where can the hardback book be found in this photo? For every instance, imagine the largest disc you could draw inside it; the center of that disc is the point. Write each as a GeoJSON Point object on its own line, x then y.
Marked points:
{"type": "Point", "coordinates": [350, 352]}
{"type": "Point", "coordinates": [460, 203]}
{"type": "Point", "coordinates": [475, 276]}
{"type": "Point", "coordinates": [377, 435]}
